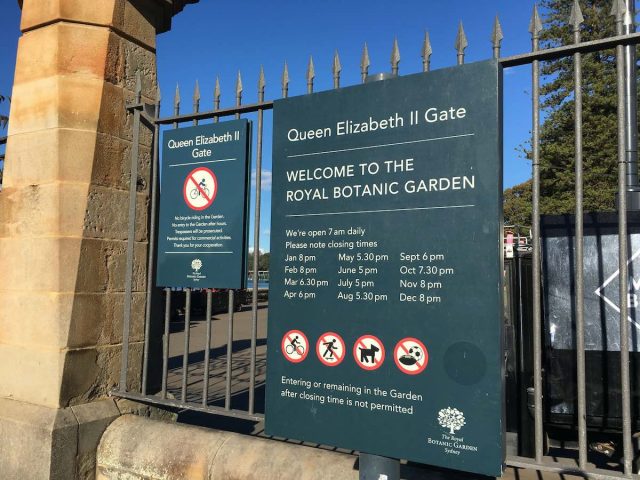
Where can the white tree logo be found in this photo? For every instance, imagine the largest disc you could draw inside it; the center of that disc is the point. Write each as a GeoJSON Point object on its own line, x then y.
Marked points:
{"type": "Point", "coordinates": [451, 418]}
{"type": "Point", "coordinates": [196, 264]}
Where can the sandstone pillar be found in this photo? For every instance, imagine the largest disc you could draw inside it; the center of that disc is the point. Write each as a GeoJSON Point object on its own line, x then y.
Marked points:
{"type": "Point", "coordinates": [63, 226]}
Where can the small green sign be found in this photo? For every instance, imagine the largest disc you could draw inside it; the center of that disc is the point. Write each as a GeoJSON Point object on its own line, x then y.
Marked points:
{"type": "Point", "coordinates": [203, 206]}
{"type": "Point", "coordinates": [386, 269]}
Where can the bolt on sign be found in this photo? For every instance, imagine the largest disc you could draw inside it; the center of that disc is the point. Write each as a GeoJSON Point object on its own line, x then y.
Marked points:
{"type": "Point", "coordinates": [203, 206]}
{"type": "Point", "coordinates": [386, 255]}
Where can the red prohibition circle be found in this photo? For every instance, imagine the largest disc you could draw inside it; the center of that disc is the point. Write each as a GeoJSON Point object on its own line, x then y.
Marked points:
{"type": "Point", "coordinates": [190, 177]}
{"type": "Point", "coordinates": [357, 353]}
{"type": "Point", "coordinates": [403, 368]}
{"type": "Point", "coordinates": [319, 345]}
{"type": "Point", "coordinates": [286, 342]}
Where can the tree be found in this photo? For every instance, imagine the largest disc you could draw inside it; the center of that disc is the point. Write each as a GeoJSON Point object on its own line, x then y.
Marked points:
{"type": "Point", "coordinates": [518, 208]}
{"type": "Point", "coordinates": [599, 112]}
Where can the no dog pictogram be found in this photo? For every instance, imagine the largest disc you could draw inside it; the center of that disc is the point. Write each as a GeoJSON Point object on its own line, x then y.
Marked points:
{"type": "Point", "coordinates": [330, 349]}
{"type": "Point", "coordinates": [295, 346]}
{"type": "Point", "coordinates": [368, 352]}
{"type": "Point", "coordinates": [411, 356]}
{"type": "Point", "coordinates": [200, 188]}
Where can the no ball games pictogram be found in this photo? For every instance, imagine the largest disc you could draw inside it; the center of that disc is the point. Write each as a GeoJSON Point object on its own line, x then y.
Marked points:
{"type": "Point", "coordinates": [295, 346]}
{"type": "Point", "coordinates": [330, 349]}
{"type": "Point", "coordinates": [368, 352]}
{"type": "Point", "coordinates": [411, 356]}
{"type": "Point", "coordinates": [200, 188]}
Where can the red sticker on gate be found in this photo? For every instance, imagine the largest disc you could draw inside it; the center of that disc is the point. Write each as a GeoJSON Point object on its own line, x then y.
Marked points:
{"type": "Point", "coordinates": [368, 352]}
{"type": "Point", "coordinates": [411, 356]}
{"type": "Point", "coordinates": [330, 349]}
{"type": "Point", "coordinates": [295, 346]}
{"type": "Point", "coordinates": [200, 188]}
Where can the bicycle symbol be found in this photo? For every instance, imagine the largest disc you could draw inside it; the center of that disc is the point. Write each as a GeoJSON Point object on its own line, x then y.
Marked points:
{"type": "Point", "coordinates": [299, 349]}
{"type": "Point", "coordinates": [195, 193]}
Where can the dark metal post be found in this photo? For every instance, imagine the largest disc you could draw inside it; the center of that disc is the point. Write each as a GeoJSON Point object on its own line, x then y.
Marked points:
{"type": "Point", "coordinates": [165, 341]}
{"type": "Point", "coordinates": [207, 350]}
{"type": "Point", "coordinates": [631, 107]}
{"type": "Point", "coordinates": [152, 244]}
{"type": "Point", "coordinates": [619, 11]}
{"type": "Point", "coordinates": [227, 393]}
{"type": "Point", "coordinates": [256, 248]}
{"type": "Point", "coordinates": [187, 334]}
{"type": "Point", "coordinates": [576, 21]}
{"type": "Point", "coordinates": [535, 27]}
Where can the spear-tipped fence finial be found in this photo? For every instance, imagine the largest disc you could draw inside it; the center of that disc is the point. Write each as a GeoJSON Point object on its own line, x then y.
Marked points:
{"type": "Point", "coordinates": [285, 80]}
{"type": "Point", "coordinates": [239, 89]}
{"type": "Point", "coordinates": [216, 94]}
{"type": "Point", "coordinates": [576, 18]}
{"type": "Point", "coordinates": [426, 52]}
{"type": "Point", "coordinates": [618, 9]}
{"type": "Point", "coordinates": [535, 25]}
{"type": "Point", "coordinates": [196, 97]}
{"type": "Point", "coordinates": [395, 57]}
{"type": "Point", "coordinates": [461, 43]}
{"type": "Point", "coordinates": [311, 74]}
{"type": "Point", "coordinates": [176, 100]}
{"type": "Point", "coordinates": [262, 83]}
{"type": "Point", "coordinates": [196, 100]}
{"type": "Point", "coordinates": [138, 87]}
{"type": "Point", "coordinates": [365, 62]}
{"type": "Point", "coordinates": [176, 104]}
{"type": "Point", "coordinates": [496, 37]}
{"type": "Point", "coordinates": [336, 69]}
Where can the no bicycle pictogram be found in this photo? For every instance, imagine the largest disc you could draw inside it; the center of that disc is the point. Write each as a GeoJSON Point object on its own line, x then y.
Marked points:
{"type": "Point", "coordinates": [368, 352]}
{"type": "Point", "coordinates": [330, 349]}
{"type": "Point", "coordinates": [411, 356]}
{"type": "Point", "coordinates": [295, 346]}
{"type": "Point", "coordinates": [200, 188]}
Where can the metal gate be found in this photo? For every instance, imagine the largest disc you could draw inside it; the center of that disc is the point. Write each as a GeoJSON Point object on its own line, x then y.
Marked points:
{"type": "Point", "coordinates": [220, 398]}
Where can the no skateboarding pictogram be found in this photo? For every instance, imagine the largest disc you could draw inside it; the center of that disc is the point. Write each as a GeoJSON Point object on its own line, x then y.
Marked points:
{"type": "Point", "coordinates": [295, 346]}
{"type": "Point", "coordinates": [330, 349]}
{"type": "Point", "coordinates": [368, 352]}
{"type": "Point", "coordinates": [411, 356]}
{"type": "Point", "coordinates": [200, 188]}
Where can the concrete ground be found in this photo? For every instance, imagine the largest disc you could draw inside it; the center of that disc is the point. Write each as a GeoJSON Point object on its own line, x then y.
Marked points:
{"type": "Point", "coordinates": [240, 384]}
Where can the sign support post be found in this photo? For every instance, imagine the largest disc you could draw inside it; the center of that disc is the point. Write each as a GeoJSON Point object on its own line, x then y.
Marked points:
{"type": "Point", "coordinates": [375, 467]}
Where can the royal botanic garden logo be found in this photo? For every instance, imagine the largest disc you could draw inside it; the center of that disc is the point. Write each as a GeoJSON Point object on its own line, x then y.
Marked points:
{"type": "Point", "coordinates": [451, 418]}
{"type": "Point", "coordinates": [196, 264]}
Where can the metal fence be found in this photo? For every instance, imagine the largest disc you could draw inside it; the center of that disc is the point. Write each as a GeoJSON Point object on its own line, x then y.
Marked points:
{"type": "Point", "coordinates": [624, 44]}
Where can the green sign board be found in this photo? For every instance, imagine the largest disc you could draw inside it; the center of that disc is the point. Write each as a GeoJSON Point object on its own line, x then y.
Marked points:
{"type": "Point", "coordinates": [386, 269]}
{"type": "Point", "coordinates": [203, 206]}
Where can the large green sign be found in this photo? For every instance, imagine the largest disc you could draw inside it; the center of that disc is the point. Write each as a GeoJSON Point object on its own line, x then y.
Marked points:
{"type": "Point", "coordinates": [203, 206]}
{"type": "Point", "coordinates": [386, 266]}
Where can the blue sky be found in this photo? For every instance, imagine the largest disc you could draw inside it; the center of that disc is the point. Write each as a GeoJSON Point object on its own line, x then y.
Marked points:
{"type": "Point", "coordinates": [221, 37]}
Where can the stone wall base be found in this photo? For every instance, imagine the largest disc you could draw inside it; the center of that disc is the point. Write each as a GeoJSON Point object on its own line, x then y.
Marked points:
{"type": "Point", "coordinates": [135, 448]}
{"type": "Point", "coordinates": [41, 443]}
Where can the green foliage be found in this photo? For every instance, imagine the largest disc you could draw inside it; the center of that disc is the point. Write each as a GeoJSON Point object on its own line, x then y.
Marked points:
{"type": "Point", "coordinates": [557, 149]}
{"type": "Point", "coordinates": [263, 261]}
{"type": "Point", "coordinates": [3, 118]}
{"type": "Point", "coordinates": [517, 207]}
